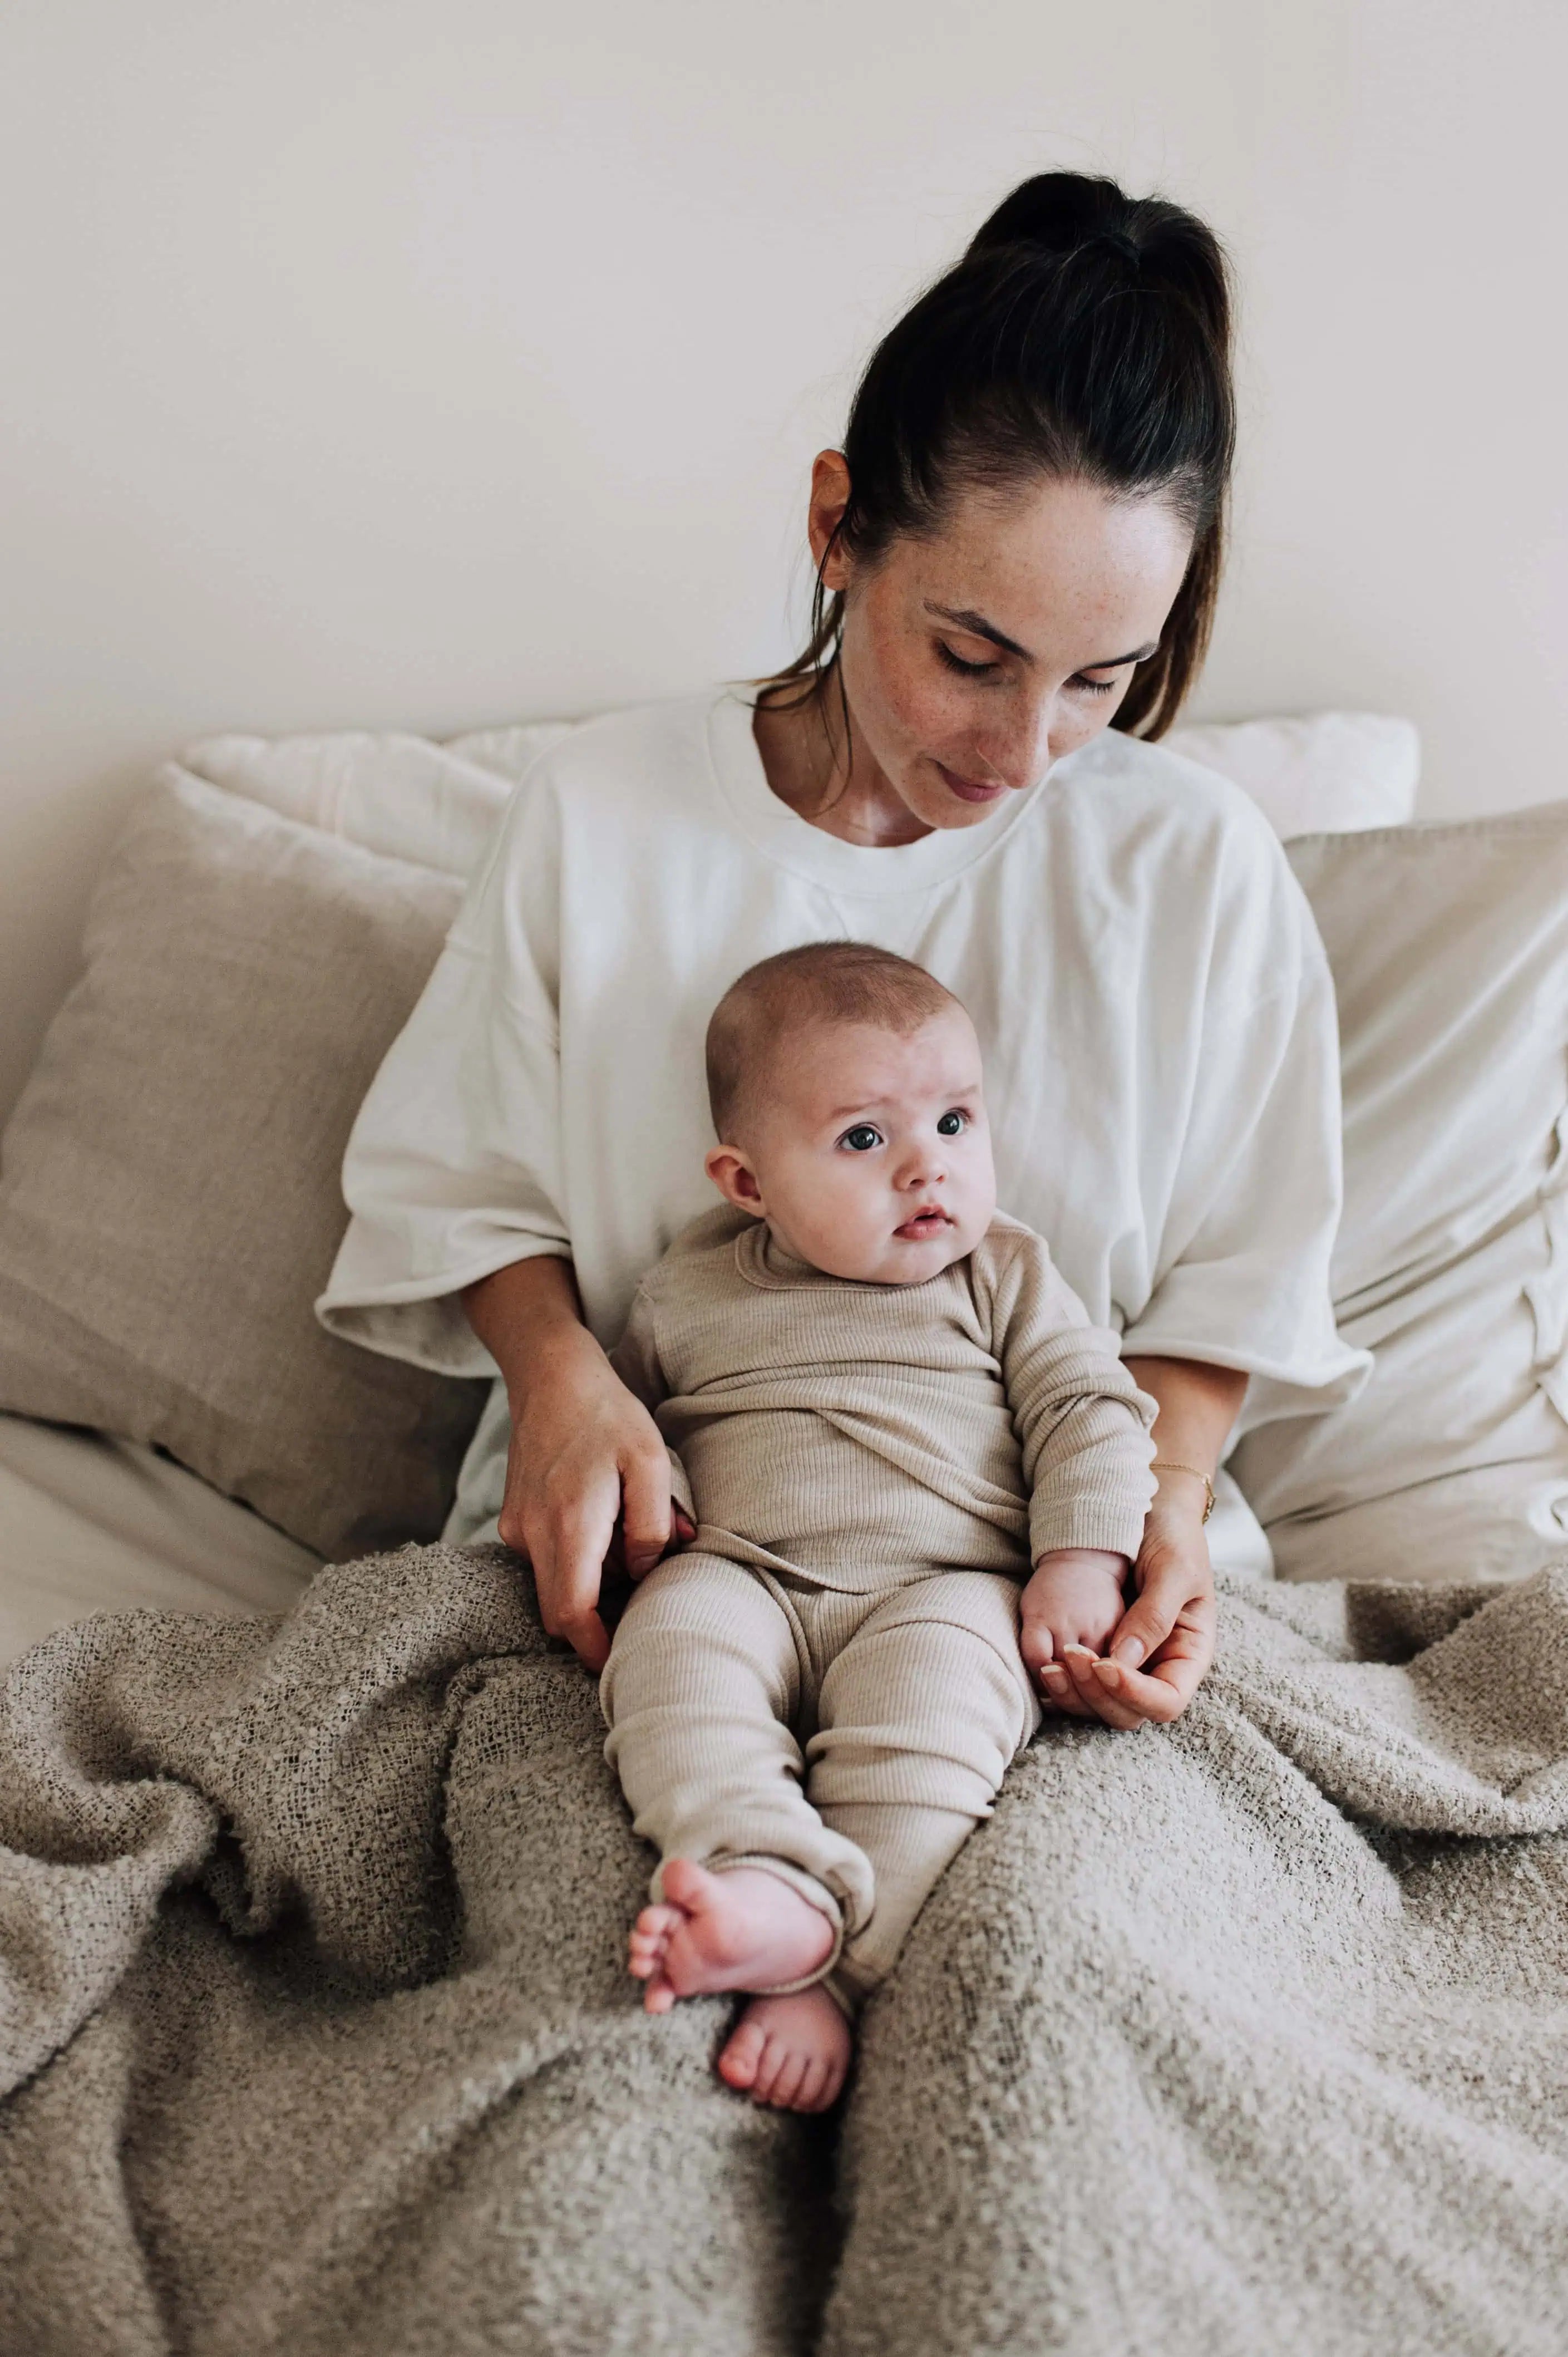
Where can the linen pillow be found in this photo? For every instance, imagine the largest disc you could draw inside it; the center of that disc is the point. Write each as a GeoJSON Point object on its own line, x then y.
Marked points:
{"type": "Point", "coordinates": [1323, 771]}
{"type": "Point", "coordinates": [1449, 947]}
{"type": "Point", "coordinates": [169, 1181]}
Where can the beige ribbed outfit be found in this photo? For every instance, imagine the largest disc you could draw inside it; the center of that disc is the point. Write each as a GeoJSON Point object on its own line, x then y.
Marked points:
{"type": "Point", "coordinates": [828, 1682]}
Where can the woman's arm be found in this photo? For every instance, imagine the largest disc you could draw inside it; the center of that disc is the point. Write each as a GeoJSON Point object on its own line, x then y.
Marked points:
{"type": "Point", "coordinates": [1158, 1656]}
{"type": "Point", "coordinates": [583, 1449]}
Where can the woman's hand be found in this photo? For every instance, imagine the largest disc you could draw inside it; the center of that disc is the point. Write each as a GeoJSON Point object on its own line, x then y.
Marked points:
{"type": "Point", "coordinates": [1165, 1642]}
{"type": "Point", "coordinates": [587, 1465]}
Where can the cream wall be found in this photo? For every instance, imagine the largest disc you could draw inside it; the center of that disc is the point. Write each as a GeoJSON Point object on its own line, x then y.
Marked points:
{"type": "Point", "coordinates": [426, 365]}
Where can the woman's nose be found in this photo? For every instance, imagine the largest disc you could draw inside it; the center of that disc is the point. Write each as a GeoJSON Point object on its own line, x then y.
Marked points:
{"type": "Point", "coordinates": [1019, 754]}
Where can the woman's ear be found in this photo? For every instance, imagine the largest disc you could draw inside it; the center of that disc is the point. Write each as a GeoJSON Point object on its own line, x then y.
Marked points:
{"type": "Point", "coordinates": [830, 498]}
{"type": "Point", "coordinates": [733, 1177]}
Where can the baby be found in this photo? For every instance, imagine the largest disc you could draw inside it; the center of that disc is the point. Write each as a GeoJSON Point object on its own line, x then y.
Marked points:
{"type": "Point", "coordinates": [895, 1430]}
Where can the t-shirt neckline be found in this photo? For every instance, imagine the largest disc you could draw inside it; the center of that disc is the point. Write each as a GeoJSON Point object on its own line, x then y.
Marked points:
{"type": "Point", "coordinates": [863, 870]}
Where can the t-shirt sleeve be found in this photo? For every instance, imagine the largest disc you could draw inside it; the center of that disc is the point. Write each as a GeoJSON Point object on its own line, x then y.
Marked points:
{"type": "Point", "coordinates": [453, 1169]}
{"type": "Point", "coordinates": [1241, 1278]}
{"type": "Point", "coordinates": [1083, 1424]}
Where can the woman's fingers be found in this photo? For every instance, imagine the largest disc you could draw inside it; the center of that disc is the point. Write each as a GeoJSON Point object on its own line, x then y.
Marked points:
{"type": "Point", "coordinates": [1169, 1584]}
{"type": "Point", "coordinates": [1059, 1691]}
{"type": "Point", "coordinates": [1094, 1696]}
{"type": "Point", "coordinates": [646, 1523]}
{"type": "Point", "coordinates": [568, 1544]}
{"type": "Point", "coordinates": [1132, 1698]}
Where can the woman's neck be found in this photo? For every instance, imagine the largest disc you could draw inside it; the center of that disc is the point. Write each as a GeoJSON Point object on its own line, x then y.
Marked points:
{"type": "Point", "coordinates": [806, 758]}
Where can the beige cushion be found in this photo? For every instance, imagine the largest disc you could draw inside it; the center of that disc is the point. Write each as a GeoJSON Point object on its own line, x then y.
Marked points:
{"type": "Point", "coordinates": [169, 1201]}
{"type": "Point", "coordinates": [1449, 945]}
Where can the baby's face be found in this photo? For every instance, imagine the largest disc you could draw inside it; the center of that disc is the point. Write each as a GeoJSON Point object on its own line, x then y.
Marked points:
{"type": "Point", "coordinates": [870, 1155]}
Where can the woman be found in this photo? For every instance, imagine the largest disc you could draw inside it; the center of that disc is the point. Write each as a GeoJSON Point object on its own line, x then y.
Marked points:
{"type": "Point", "coordinates": [1017, 555]}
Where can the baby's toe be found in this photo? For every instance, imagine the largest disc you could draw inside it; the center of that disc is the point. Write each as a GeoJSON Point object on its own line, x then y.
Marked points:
{"type": "Point", "coordinates": [656, 1922]}
{"type": "Point", "coordinates": [769, 2064]}
{"type": "Point", "coordinates": [738, 2062]}
{"type": "Point", "coordinates": [787, 2081]}
{"type": "Point", "coordinates": [812, 2094]}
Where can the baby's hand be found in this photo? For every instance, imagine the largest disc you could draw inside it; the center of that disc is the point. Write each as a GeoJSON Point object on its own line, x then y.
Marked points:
{"type": "Point", "coordinates": [1075, 1598]}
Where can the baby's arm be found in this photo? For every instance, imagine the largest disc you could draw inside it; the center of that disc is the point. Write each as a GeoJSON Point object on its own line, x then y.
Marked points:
{"type": "Point", "coordinates": [1083, 1425]}
{"type": "Point", "coordinates": [636, 1361]}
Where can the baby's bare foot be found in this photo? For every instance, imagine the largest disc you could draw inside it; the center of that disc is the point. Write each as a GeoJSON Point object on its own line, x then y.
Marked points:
{"type": "Point", "coordinates": [743, 1930]}
{"type": "Point", "coordinates": [790, 2052]}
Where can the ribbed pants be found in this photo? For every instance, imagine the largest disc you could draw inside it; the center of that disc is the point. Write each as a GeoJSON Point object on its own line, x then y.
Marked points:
{"type": "Point", "coordinates": [845, 1740]}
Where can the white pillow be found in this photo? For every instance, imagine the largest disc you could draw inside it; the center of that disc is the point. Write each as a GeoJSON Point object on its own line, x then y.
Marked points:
{"type": "Point", "coordinates": [403, 797]}
{"type": "Point", "coordinates": [1326, 771]}
{"type": "Point", "coordinates": [408, 798]}
{"type": "Point", "coordinates": [1449, 946]}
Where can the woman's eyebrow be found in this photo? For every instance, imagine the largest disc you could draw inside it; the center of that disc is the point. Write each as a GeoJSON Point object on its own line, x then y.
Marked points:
{"type": "Point", "coordinates": [965, 617]}
{"type": "Point", "coordinates": [1115, 663]}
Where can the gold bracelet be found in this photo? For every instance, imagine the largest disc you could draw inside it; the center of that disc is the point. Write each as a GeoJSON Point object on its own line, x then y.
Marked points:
{"type": "Point", "coordinates": [1169, 1465]}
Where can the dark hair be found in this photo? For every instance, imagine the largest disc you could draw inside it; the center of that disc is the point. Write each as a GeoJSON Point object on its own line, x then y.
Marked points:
{"type": "Point", "coordinates": [1084, 333]}
{"type": "Point", "coordinates": [823, 982]}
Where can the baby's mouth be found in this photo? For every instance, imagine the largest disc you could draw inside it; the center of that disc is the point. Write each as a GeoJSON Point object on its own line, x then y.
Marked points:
{"type": "Point", "coordinates": [929, 1221]}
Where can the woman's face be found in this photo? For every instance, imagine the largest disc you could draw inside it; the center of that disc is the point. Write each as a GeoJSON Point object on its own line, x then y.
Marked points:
{"type": "Point", "coordinates": [975, 659]}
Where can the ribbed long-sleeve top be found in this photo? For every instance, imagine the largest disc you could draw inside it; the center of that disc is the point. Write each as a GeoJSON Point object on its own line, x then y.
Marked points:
{"type": "Point", "coordinates": [856, 1433]}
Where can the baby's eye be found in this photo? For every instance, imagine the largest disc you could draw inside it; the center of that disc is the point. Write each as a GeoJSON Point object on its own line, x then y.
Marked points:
{"type": "Point", "coordinates": [953, 1124]}
{"type": "Point", "coordinates": [862, 1138]}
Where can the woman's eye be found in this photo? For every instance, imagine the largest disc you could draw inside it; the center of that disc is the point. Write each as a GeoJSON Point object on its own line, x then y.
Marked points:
{"type": "Point", "coordinates": [861, 1139]}
{"type": "Point", "coordinates": [953, 1125]}
{"type": "Point", "coordinates": [1096, 686]}
{"type": "Point", "coordinates": [965, 670]}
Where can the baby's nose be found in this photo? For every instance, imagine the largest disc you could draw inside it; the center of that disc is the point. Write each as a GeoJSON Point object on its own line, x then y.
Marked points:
{"type": "Point", "coordinates": [921, 1167]}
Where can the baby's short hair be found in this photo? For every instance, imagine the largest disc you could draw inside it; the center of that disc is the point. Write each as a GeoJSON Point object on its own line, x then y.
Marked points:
{"type": "Point", "coordinates": [825, 982]}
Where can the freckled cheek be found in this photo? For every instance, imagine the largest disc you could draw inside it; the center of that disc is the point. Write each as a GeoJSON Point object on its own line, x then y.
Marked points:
{"type": "Point", "coordinates": [916, 709]}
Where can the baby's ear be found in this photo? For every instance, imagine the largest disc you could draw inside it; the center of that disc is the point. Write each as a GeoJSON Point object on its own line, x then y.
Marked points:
{"type": "Point", "coordinates": [733, 1177]}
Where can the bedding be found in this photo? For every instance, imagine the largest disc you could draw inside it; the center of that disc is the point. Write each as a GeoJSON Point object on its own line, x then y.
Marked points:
{"type": "Point", "coordinates": [1449, 950]}
{"type": "Point", "coordinates": [1326, 771]}
{"type": "Point", "coordinates": [1245, 2035]}
{"type": "Point", "coordinates": [88, 1520]}
{"type": "Point", "coordinates": [169, 1199]}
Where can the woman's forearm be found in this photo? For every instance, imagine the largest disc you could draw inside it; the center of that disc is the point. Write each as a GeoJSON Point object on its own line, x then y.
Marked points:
{"type": "Point", "coordinates": [1199, 1404]}
{"type": "Point", "coordinates": [528, 1316]}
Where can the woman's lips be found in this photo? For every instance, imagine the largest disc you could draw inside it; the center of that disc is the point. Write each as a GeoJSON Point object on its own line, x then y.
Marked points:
{"type": "Point", "coordinates": [972, 790]}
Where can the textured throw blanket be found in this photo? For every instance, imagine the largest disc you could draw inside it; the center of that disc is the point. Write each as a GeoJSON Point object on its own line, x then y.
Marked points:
{"type": "Point", "coordinates": [1243, 2039]}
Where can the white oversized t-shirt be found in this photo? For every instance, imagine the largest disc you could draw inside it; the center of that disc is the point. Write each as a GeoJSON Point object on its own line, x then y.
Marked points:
{"type": "Point", "coordinates": [1153, 1002]}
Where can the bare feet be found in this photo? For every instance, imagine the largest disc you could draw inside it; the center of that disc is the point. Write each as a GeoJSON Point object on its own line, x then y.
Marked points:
{"type": "Point", "coordinates": [790, 2051]}
{"type": "Point", "coordinates": [744, 1930]}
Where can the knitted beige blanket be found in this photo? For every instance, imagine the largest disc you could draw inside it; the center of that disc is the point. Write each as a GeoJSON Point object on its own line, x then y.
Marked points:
{"type": "Point", "coordinates": [1247, 2039]}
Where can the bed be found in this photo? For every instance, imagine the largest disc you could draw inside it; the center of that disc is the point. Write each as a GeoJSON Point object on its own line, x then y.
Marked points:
{"type": "Point", "coordinates": [313, 2023]}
